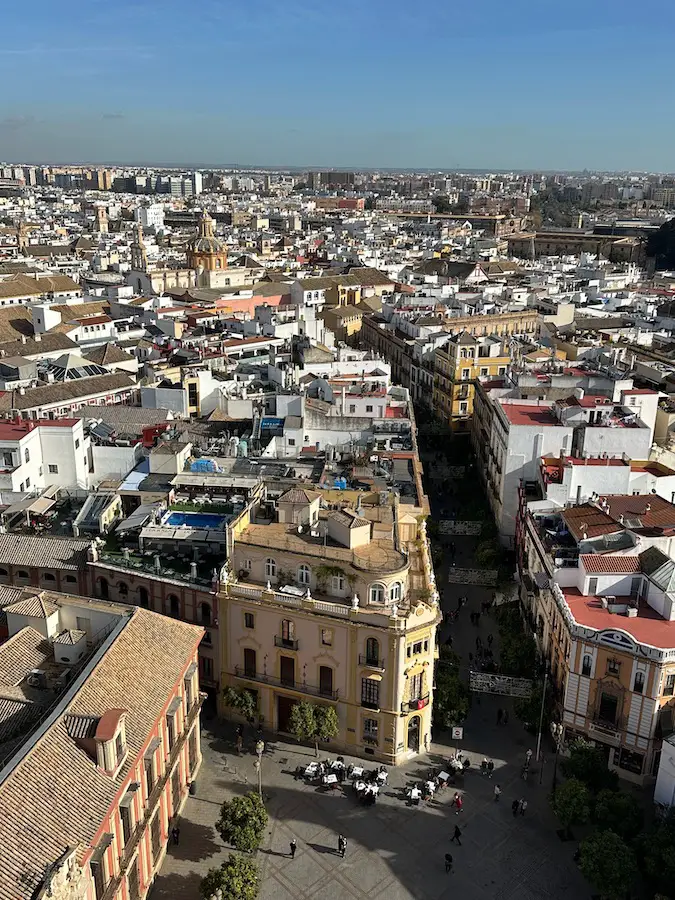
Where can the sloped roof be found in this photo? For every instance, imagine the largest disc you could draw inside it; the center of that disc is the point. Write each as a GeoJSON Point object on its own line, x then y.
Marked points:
{"type": "Point", "coordinates": [299, 495]}
{"type": "Point", "coordinates": [42, 814]}
{"type": "Point", "coordinates": [35, 606]}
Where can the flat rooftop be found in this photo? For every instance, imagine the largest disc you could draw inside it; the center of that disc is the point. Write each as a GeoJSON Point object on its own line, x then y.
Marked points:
{"type": "Point", "coordinates": [648, 627]}
{"type": "Point", "coordinates": [524, 414]}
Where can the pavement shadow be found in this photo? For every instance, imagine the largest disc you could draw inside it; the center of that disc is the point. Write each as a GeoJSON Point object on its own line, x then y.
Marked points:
{"type": "Point", "coordinates": [321, 848]}
{"type": "Point", "coordinates": [197, 842]}
{"type": "Point", "coordinates": [169, 887]}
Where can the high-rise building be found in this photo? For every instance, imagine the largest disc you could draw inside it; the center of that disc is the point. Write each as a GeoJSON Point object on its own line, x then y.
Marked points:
{"type": "Point", "coordinates": [197, 184]}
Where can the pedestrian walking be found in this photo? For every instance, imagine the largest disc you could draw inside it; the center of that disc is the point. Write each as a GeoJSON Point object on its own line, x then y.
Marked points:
{"type": "Point", "coordinates": [448, 863]}
{"type": "Point", "coordinates": [456, 836]}
{"type": "Point", "coordinates": [484, 766]}
{"type": "Point", "coordinates": [522, 806]}
{"type": "Point", "coordinates": [498, 792]}
{"type": "Point", "coordinates": [524, 772]}
{"type": "Point", "coordinates": [490, 768]}
{"type": "Point", "coordinates": [293, 847]}
{"type": "Point", "coordinates": [175, 834]}
{"type": "Point", "coordinates": [528, 756]}
{"type": "Point", "coordinates": [458, 803]}
{"type": "Point", "coordinates": [515, 806]}
{"type": "Point", "coordinates": [342, 845]}
{"type": "Point", "coordinates": [499, 716]}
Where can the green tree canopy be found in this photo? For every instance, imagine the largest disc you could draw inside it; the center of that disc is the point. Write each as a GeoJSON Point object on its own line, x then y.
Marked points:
{"type": "Point", "coordinates": [657, 854]}
{"type": "Point", "coordinates": [242, 821]}
{"type": "Point", "coordinates": [242, 700]}
{"type": "Point", "coordinates": [609, 864]}
{"type": "Point", "coordinates": [451, 696]}
{"type": "Point", "coordinates": [235, 879]}
{"type": "Point", "coordinates": [589, 765]}
{"type": "Point", "coordinates": [618, 811]}
{"type": "Point", "coordinates": [312, 722]}
{"type": "Point", "coordinates": [572, 803]}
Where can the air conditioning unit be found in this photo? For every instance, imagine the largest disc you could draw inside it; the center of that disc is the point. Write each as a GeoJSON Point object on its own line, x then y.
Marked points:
{"type": "Point", "coordinates": [37, 678]}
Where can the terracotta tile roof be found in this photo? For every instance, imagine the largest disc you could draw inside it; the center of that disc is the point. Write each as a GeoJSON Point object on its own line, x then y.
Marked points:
{"type": "Point", "coordinates": [55, 796]}
{"type": "Point", "coordinates": [69, 554]}
{"type": "Point", "coordinates": [298, 495]}
{"type": "Point", "coordinates": [598, 563]}
{"type": "Point", "coordinates": [70, 636]}
{"type": "Point", "coordinates": [67, 390]}
{"type": "Point", "coordinates": [25, 650]}
{"type": "Point", "coordinates": [587, 519]}
{"type": "Point", "coordinates": [35, 606]}
{"type": "Point", "coordinates": [641, 511]}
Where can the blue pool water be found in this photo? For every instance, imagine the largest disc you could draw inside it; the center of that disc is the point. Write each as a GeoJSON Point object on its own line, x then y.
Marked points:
{"type": "Point", "coordinates": [196, 520]}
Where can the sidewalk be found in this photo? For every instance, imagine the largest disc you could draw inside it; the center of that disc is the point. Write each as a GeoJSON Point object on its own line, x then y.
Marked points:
{"type": "Point", "coordinates": [395, 851]}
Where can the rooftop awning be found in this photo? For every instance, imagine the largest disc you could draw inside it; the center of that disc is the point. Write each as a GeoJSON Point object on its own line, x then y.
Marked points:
{"type": "Point", "coordinates": [37, 505]}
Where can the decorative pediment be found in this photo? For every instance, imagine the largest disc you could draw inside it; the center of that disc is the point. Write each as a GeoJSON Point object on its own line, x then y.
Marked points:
{"type": "Point", "coordinates": [66, 879]}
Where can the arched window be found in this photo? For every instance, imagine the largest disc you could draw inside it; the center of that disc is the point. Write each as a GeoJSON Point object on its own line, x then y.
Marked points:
{"type": "Point", "coordinates": [143, 598]}
{"type": "Point", "coordinates": [103, 588]}
{"type": "Point", "coordinates": [3, 573]}
{"type": "Point", "coordinates": [372, 651]}
{"type": "Point", "coordinates": [206, 614]}
{"type": "Point", "coordinates": [586, 665]}
{"type": "Point", "coordinates": [71, 579]}
{"type": "Point", "coordinates": [376, 594]}
{"type": "Point", "coordinates": [395, 592]}
{"type": "Point", "coordinates": [47, 576]}
{"type": "Point", "coordinates": [639, 683]}
{"type": "Point", "coordinates": [174, 606]}
{"type": "Point", "coordinates": [304, 575]}
{"type": "Point", "coordinates": [123, 589]}
{"type": "Point", "coordinates": [270, 568]}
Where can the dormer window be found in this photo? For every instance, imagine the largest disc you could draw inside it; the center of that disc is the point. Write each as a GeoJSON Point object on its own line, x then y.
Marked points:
{"type": "Point", "coordinates": [111, 741]}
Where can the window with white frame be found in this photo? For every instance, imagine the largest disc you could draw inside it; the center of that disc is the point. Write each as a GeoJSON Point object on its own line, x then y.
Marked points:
{"type": "Point", "coordinates": [338, 582]}
{"type": "Point", "coordinates": [376, 593]}
{"type": "Point", "coordinates": [304, 575]}
{"type": "Point", "coordinates": [270, 568]}
{"type": "Point", "coordinates": [395, 592]}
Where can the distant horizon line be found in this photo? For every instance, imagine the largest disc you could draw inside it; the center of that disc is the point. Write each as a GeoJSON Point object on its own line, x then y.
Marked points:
{"type": "Point", "coordinates": [357, 170]}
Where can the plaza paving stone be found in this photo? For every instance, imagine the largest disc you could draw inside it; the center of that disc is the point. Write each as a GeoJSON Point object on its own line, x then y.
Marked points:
{"type": "Point", "coordinates": [394, 852]}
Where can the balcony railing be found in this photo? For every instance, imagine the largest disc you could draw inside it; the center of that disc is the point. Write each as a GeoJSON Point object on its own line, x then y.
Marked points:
{"type": "Point", "coordinates": [417, 703]}
{"type": "Point", "coordinates": [126, 856]}
{"type": "Point", "coordinates": [372, 662]}
{"type": "Point", "coordinates": [300, 687]}
{"type": "Point", "coordinates": [286, 643]}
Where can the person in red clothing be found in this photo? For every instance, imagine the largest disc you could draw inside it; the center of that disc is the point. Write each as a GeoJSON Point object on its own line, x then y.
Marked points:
{"type": "Point", "coordinates": [458, 803]}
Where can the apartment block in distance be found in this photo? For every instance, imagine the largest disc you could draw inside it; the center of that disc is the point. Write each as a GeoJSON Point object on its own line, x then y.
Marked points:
{"type": "Point", "coordinates": [99, 742]}
{"type": "Point", "coordinates": [457, 364]}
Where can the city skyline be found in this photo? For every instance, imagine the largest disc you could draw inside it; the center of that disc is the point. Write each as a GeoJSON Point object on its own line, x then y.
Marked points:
{"type": "Point", "coordinates": [479, 88]}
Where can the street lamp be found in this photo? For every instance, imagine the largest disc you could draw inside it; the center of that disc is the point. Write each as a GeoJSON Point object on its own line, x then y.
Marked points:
{"type": "Point", "coordinates": [557, 732]}
{"type": "Point", "coordinates": [259, 749]}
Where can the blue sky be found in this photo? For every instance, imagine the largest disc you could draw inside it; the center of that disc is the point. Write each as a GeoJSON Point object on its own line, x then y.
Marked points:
{"type": "Point", "coordinates": [540, 84]}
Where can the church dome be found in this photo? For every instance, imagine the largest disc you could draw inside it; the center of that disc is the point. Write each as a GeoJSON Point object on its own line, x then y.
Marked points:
{"type": "Point", "coordinates": [205, 242]}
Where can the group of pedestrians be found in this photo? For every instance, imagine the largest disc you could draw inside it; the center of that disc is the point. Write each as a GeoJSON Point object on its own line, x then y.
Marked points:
{"type": "Point", "coordinates": [519, 807]}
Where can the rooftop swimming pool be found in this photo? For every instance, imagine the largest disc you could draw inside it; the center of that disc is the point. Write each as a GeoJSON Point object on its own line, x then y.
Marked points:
{"type": "Point", "coordinates": [196, 520]}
